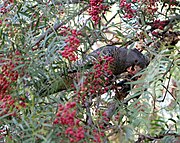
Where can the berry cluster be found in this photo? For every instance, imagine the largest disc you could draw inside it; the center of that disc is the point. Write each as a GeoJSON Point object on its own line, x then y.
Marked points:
{"type": "Point", "coordinates": [97, 136]}
{"type": "Point", "coordinates": [97, 79]}
{"type": "Point", "coordinates": [8, 77]}
{"type": "Point", "coordinates": [5, 8]}
{"type": "Point", "coordinates": [66, 116]}
{"type": "Point", "coordinates": [126, 6]}
{"type": "Point", "coordinates": [72, 44]}
{"type": "Point", "coordinates": [157, 24]}
{"type": "Point", "coordinates": [6, 104]}
{"type": "Point", "coordinates": [151, 6]}
{"type": "Point", "coordinates": [96, 8]}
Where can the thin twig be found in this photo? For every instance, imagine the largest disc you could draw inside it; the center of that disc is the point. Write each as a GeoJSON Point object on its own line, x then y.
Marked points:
{"type": "Point", "coordinates": [166, 90]}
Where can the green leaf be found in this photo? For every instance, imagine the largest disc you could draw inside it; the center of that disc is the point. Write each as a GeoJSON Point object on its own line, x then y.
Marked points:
{"type": "Point", "coordinates": [128, 130]}
{"type": "Point", "coordinates": [120, 34]}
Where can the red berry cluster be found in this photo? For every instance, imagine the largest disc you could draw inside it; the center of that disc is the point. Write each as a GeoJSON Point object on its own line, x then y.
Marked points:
{"type": "Point", "coordinates": [96, 8]}
{"type": "Point", "coordinates": [126, 6]}
{"type": "Point", "coordinates": [151, 10]}
{"type": "Point", "coordinates": [72, 45]}
{"type": "Point", "coordinates": [97, 79]}
{"type": "Point", "coordinates": [97, 136]}
{"type": "Point", "coordinates": [8, 73]}
{"type": "Point", "coordinates": [9, 76]}
{"type": "Point", "coordinates": [157, 24]}
{"type": "Point", "coordinates": [151, 6]}
{"type": "Point", "coordinates": [105, 118]}
{"type": "Point", "coordinates": [6, 104]}
{"type": "Point", "coordinates": [66, 116]}
{"type": "Point", "coordinates": [5, 8]}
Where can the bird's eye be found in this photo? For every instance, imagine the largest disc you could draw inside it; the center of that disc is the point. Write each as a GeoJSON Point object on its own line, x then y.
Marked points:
{"type": "Point", "coordinates": [136, 61]}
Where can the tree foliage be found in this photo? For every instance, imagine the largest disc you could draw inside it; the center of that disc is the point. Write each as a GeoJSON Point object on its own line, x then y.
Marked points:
{"type": "Point", "coordinates": [51, 92]}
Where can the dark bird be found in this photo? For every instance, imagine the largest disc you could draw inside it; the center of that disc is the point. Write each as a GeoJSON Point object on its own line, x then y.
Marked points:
{"type": "Point", "coordinates": [123, 59]}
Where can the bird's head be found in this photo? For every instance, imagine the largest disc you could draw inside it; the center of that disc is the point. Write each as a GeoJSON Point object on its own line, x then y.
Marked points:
{"type": "Point", "coordinates": [136, 61]}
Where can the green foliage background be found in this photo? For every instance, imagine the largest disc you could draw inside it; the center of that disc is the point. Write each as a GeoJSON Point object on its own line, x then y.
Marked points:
{"type": "Point", "coordinates": [33, 28]}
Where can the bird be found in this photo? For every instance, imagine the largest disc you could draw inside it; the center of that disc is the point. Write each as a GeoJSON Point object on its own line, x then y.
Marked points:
{"type": "Point", "coordinates": [124, 58]}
